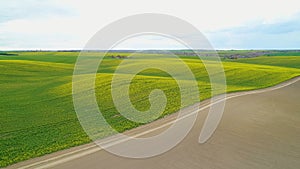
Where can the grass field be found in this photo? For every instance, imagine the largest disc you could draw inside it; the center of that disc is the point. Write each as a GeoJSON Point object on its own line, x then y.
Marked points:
{"type": "Point", "coordinates": [37, 114]}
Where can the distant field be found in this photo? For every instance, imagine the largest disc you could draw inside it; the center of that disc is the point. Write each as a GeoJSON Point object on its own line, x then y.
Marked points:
{"type": "Point", "coordinates": [282, 61]}
{"type": "Point", "coordinates": [37, 114]}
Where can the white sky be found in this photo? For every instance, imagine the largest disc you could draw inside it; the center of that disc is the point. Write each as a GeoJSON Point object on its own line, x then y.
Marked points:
{"type": "Point", "coordinates": [68, 24]}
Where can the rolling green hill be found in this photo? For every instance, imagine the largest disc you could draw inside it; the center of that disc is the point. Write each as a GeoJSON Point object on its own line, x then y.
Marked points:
{"type": "Point", "coordinates": [37, 114]}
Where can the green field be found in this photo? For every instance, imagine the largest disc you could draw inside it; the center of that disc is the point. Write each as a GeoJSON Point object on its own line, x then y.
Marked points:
{"type": "Point", "coordinates": [37, 113]}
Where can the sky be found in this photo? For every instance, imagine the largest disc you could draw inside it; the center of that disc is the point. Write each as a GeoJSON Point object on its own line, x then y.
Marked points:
{"type": "Point", "coordinates": [69, 24]}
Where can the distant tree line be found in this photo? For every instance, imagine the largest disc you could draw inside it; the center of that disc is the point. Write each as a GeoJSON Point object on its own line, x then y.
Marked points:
{"type": "Point", "coordinates": [118, 56]}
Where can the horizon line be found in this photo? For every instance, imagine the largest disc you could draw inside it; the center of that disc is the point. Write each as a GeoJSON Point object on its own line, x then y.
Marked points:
{"type": "Point", "coordinates": [58, 50]}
